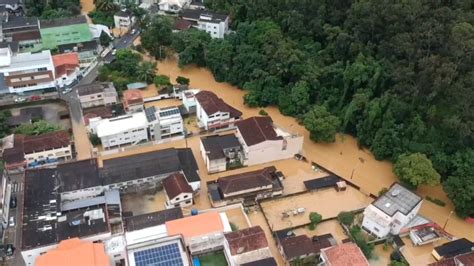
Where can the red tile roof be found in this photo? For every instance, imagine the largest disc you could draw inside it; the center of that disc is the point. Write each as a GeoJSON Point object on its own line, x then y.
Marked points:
{"type": "Point", "coordinates": [246, 240]}
{"type": "Point", "coordinates": [132, 97]}
{"type": "Point", "coordinates": [176, 184]}
{"type": "Point", "coordinates": [182, 24]}
{"type": "Point", "coordinates": [65, 63]}
{"type": "Point", "coordinates": [46, 141]}
{"type": "Point", "coordinates": [255, 130]}
{"type": "Point", "coordinates": [297, 246]}
{"type": "Point", "coordinates": [14, 155]}
{"type": "Point", "coordinates": [213, 104]}
{"type": "Point", "coordinates": [75, 252]}
{"type": "Point", "coordinates": [466, 259]}
{"type": "Point", "coordinates": [247, 180]}
{"type": "Point", "coordinates": [348, 254]}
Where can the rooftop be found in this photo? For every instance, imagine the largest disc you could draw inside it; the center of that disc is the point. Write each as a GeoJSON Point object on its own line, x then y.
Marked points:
{"type": "Point", "coordinates": [216, 144]}
{"type": "Point", "coordinates": [65, 63]}
{"type": "Point", "coordinates": [345, 254]}
{"type": "Point", "coordinates": [203, 15]}
{"type": "Point", "coordinates": [93, 88]}
{"type": "Point", "coordinates": [26, 60]}
{"type": "Point", "coordinates": [20, 21]}
{"type": "Point", "coordinates": [248, 180]}
{"type": "Point", "coordinates": [133, 97]}
{"type": "Point", "coordinates": [48, 141]}
{"type": "Point", "coordinates": [182, 24]}
{"type": "Point", "coordinates": [152, 219]}
{"type": "Point", "coordinates": [175, 185]}
{"type": "Point", "coordinates": [246, 240]}
{"type": "Point", "coordinates": [78, 175]}
{"type": "Point", "coordinates": [323, 182]}
{"type": "Point", "coordinates": [78, 47]}
{"type": "Point", "coordinates": [397, 199]}
{"type": "Point", "coordinates": [26, 35]}
{"type": "Point", "coordinates": [136, 86]}
{"type": "Point", "coordinates": [297, 246]}
{"type": "Point", "coordinates": [213, 104]}
{"type": "Point", "coordinates": [454, 248]}
{"type": "Point", "coordinates": [124, 13]}
{"type": "Point", "coordinates": [255, 130]}
{"type": "Point", "coordinates": [13, 153]}
{"type": "Point", "coordinates": [61, 22]}
{"type": "Point", "coordinates": [75, 252]}
{"type": "Point", "coordinates": [262, 262]}
{"type": "Point", "coordinates": [161, 162]}
{"type": "Point", "coordinates": [197, 225]}
{"type": "Point", "coordinates": [116, 125]}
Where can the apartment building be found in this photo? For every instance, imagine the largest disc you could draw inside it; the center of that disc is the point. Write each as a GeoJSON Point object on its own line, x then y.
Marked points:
{"type": "Point", "coordinates": [213, 113]}
{"type": "Point", "coordinates": [66, 69]}
{"type": "Point", "coordinates": [23, 72]}
{"type": "Point", "coordinates": [164, 122]}
{"type": "Point", "coordinates": [392, 211]}
{"type": "Point", "coordinates": [217, 25]}
{"type": "Point", "coordinates": [124, 20]}
{"type": "Point", "coordinates": [97, 94]}
{"type": "Point", "coordinates": [22, 30]}
{"type": "Point", "coordinates": [263, 141]}
{"type": "Point", "coordinates": [173, 6]}
{"type": "Point", "coordinates": [55, 32]}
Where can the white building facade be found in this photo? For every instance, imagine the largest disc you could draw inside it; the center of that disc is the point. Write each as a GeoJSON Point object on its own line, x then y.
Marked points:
{"type": "Point", "coordinates": [97, 94]}
{"type": "Point", "coordinates": [164, 123]}
{"type": "Point", "coordinates": [213, 113]}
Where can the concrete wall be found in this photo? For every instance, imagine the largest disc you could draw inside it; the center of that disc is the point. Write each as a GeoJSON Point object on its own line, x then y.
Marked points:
{"type": "Point", "coordinates": [63, 153]}
{"type": "Point", "coordinates": [182, 200]}
{"type": "Point", "coordinates": [123, 138]}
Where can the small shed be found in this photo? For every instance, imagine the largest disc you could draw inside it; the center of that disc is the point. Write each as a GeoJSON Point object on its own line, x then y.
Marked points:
{"type": "Point", "coordinates": [137, 86]}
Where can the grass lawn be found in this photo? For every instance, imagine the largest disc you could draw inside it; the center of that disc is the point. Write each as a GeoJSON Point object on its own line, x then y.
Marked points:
{"type": "Point", "coordinates": [213, 259]}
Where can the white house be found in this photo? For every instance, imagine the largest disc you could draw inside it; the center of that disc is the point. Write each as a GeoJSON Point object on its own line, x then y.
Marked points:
{"type": "Point", "coordinates": [164, 122]}
{"type": "Point", "coordinates": [124, 20]}
{"type": "Point", "coordinates": [221, 152]}
{"type": "Point", "coordinates": [392, 211]}
{"type": "Point", "coordinates": [97, 94]}
{"type": "Point", "coordinates": [213, 113]}
{"type": "Point", "coordinates": [178, 192]}
{"type": "Point", "coordinates": [173, 6]}
{"type": "Point", "coordinates": [129, 129]}
{"type": "Point", "coordinates": [67, 68]}
{"type": "Point", "coordinates": [217, 25]}
{"type": "Point", "coordinates": [47, 149]}
{"type": "Point", "coordinates": [246, 245]}
{"type": "Point", "coordinates": [189, 100]}
{"type": "Point", "coordinates": [263, 142]}
{"type": "Point", "coordinates": [25, 72]}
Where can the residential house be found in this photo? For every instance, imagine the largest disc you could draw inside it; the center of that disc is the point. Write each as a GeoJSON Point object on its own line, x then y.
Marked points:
{"type": "Point", "coordinates": [129, 129]}
{"type": "Point", "coordinates": [391, 212]}
{"type": "Point", "coordinates": [55, 32]}
{"type": "Point", "coordinates": [263, 141]}
{"type": "Point", "coordinates": [67, 69]}
{"type": "Point", "coordinates": [465, 259]}
{"type": "Point", "coordinates": [13, 6]}
{"type": "Point", "coordinates": [88, 51]}
{"type": "Point", "coordinates": [245, 188]}
{"type": "Point", "coordinates": [453, 249]}
{"type": "Point", "coordinates": [201, 233]}
{"type": "Point", "coordinates": [20, 151]}
{"type": "Point", "coordinates": [221, 152]}
{"type": "Point", "coordinates": [124, 20]}
{"type": "Point", "coordinates": [133, 101]}
{"type": "Point", "coordinates": [23, 72]}
{"type": "Point", "coordinates": [75, 252]}
{"type": "Point", "coordinates": [98, 112]}
{"type": "Point", "coordinates": [262, 262]}
{"type": "Point", "coordinates": [173, 6]}
{"type": "Point", "coordinates": [302, 247]}
{"type": "Point", "coordinates": [246, 245]}
{"type": "Point", "coordinates": [26, 116]}
{"type": "Point", "coordinates": [182, 25]}
{"type": "Point", "coordinates": [213, 113]}
{"type": "Point", "coordinates": [23, 30]}
{"type": "Point", "coordinates": [344, 254]}
{"type": "Point", "coordinates": [97, 94]}
{"type": "Point", "coordinates": [164, 122]}
{"type": "Point", "coordinates": [189, 100]}
{"type": "Point", "coordinates": [217, 25]}
{"type": "Point", "coordinates": [177, 191]}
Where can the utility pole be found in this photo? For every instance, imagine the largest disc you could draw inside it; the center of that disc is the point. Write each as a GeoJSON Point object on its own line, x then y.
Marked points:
{"type": "Point", "coordinates": [447, 219]}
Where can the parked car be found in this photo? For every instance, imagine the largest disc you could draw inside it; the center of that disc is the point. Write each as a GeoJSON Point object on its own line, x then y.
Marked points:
{"type": "Point", "coordinates": [9, 250]}
{"type": "Point", "coordinates": [133, 31]}
{"type": "Point", "coordinates": [13, 202]}
{"type": "Point", "coordinates": [20, 100]}
{"type": "Point", "coordinates": [114, 51]}
{"type": "Point", "coordinates": [35, 98]}
{"type": "Point", "coordinates": [11, 222]}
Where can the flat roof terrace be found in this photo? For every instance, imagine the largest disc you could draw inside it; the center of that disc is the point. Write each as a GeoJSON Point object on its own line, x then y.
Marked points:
{"type": "Point", "coordinates": [328, 202]}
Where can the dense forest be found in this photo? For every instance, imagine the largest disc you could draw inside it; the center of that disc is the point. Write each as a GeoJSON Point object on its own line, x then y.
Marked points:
{"type": "Point", "coordinates": [397, 75]}
{"type": "Point", "coordinates": [53, 9]}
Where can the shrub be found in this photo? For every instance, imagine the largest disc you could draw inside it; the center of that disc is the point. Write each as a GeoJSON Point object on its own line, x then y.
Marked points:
{"type": "Point", "coordinates": [233, 227]}
{"type": "Point", "coordinates": [95, 140]}
{"type": "Point", "coordinates": [315, 219]}
{"type": "Point", "coordinates": [383, 191]}
{"type": "Point", "coordinates": [346, 218]}
{"type": "Point", "coordinates": [263, 112]}
{"type": "Point", "coordinates": [182, 80]}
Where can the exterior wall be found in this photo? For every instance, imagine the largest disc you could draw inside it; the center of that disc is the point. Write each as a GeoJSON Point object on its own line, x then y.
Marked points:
{"type": "Point", "coordinates": [98, 99]}
{"type": "Point", "coordinates": [82, 193]}
{"type": "Point", "coordinates": [216, 30]}
{"type": "Point", "coordinates": [400, 220]}
{"type": "Point", "coordinates": [125, 138]}
{"type": "Point", "coordinates": [66, 80]}
{"type": "Point", "coordinates": [247, 191]}
{"type": "Point", "coordinates": [167, 127]}
{"type": "Point", "coordinates": [270, 150]}
{"type": "Point", "coordinates": [6, 192]}
{"type": "Point", "coordinates": [53, 155]}
{"type": "Point", "coordinates": [125, 23]}
{"type": "Point", "coordinates": [182, 200]}
{"type": "Point", "coordinates": [52, 37]}
{"type": "Point", "coordinates": [218, 120]}
{"type": "Point", "coordinates": [196, 186]}
{"type": "Point", "coordinates": [213, 166]}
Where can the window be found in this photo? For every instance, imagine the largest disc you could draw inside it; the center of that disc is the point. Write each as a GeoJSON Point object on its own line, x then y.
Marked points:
{"type": "Point", "coordinates": [186, 196]}
{"type": "Point", "coordinates": [177, 198]}
{"type": "Point", "coordinates": [188, 201]}
{"type": "Point", "coordinates": [376, 229]}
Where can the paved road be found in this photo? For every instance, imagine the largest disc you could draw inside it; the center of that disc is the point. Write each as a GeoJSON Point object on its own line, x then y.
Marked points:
{"type": "Point", "coordinates": [123, 42]}
{"type": "Point", "coordinates": [13, 234]}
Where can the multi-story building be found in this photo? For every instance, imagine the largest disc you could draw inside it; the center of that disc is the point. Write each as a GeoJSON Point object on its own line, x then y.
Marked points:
{"type": "Point", "coordinates": [129, 129]}
{"type": "Point", "coordinates": [263, 142]}
{"type": "Point", "coordinates": [124, 20]}
{"type": "Point", "coordinates": [245, 188]}
{"type": "Point", "coordinates": [25, 72]}
{"type": "Point", "coordinates": [173, 6]}
{"type": "Point", "coordinates": [391, 212]}
{"type": "Point", "coordinates": [221, 152]}
{"type": "Point", "coordinates": [97, 94]}
{"type": "Point", "coordinates": [213, 113]}
{"type": "Point", "coordinates": [217, 25]}
{"type": "Point", "coordinates": [177, 191]}
{"type": "Point", "coordinates": [55, 32]}
{"type": "Point", "coordinates": [132, 101]}
{"type": "Point", "coordinates": [164, 122]}
{"type": "Point", "coordinates": [23, 30]}
{"type": "Point", "coordinates": [344, 254]}
{"type": "Point", "coordinates": [87, 51]}
{"type": "Point", "coordinates": [5, 197]}
{"type": "Point", "coordinates": [246, 246]}
{"type": "Point", "coordinates": [67, 69]}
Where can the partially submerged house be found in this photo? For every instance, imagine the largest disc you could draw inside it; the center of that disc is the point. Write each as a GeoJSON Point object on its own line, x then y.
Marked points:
{"type": "Point", "coordinates": [221, 152]}
{"type": "Point", "coordinates": [178, 192]}
{"type": "Point", "coordinates": [246, 245]}
{"type": "Point", "coordinates": [213, 113]}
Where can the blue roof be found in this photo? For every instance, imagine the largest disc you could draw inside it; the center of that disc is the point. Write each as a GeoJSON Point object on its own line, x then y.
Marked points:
{"type": "Point", "coordinates": [137, 85]}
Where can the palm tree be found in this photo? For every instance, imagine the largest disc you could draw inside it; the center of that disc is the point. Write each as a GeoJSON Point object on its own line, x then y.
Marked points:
{"type": "Point", "coordinates": [146, 72]}
{"type": "Point", "coordinates": [105, 5]}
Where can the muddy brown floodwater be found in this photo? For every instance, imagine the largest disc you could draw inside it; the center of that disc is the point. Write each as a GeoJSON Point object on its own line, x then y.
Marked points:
{"type": "Point", "coordinates": [87, 6]}
{"type": "Point", "coordinates": [342, 157]}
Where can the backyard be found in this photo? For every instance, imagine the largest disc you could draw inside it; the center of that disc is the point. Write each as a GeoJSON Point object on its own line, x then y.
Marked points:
{"type": "Point", "coordinates": [213, 259]}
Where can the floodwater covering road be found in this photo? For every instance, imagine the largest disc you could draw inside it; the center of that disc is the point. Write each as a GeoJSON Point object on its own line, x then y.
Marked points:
{"type": "Point", "coordinates": [342, 157]}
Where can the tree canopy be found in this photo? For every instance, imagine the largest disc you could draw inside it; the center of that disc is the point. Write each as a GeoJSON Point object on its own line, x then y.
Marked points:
{"type": "Point", "coordinates": [37, 128]}
{"type": "Point", "coordinates": [416, 169]}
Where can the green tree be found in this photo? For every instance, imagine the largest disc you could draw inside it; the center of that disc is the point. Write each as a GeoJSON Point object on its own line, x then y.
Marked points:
{"type": "Point", "coordinates": [157, 36]}
{"type": "Point", "coordinates": [314, 218]}
{"type": "Point", "coordinates": [321, 125]}
{"type": "Point", "coordinates": [104, 39]}
{"type": "Point", "coordinates": [107, 6]}
{"type": "Point", "coordinates": [162, 80]}
{"type": "Point", "coordinates": [182, 80]}
{"type": "Point", "coordinates": [416, 169]}
{"type": "Point", "coordinates": [4, 129]}
{"type": "Point", "coordinates": [146, 71]}
{"type": "Point", "coordinates": [95, 140]}
{"type": "Point", "coordinates": [37, 128]}
{"type": "Point", "coordinates": [346, 218]}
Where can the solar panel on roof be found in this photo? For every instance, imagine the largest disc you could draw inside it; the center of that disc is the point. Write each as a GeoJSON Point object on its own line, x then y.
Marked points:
{"type": "Point", "coordinates": [169, 112]}
{"type": "Point", "coordinates": [168, 255]}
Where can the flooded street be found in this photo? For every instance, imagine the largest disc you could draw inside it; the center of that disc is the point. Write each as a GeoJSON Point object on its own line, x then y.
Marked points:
{"type": "Point", "coordinates": [87, 6]}
{"type": "Point", "coordinates": [342, 157]}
